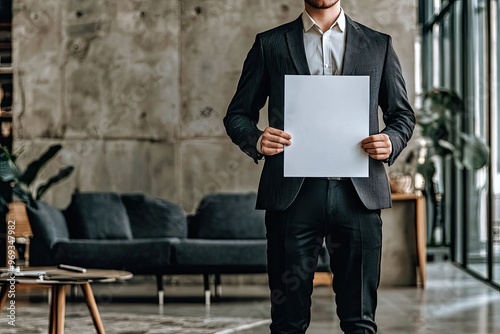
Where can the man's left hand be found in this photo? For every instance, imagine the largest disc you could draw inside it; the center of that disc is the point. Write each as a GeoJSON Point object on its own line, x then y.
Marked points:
{"type": "Point", "coordinates": [378, 147]}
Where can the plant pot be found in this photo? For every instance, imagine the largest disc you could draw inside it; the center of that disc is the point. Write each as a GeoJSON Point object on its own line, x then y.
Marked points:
{"type": "Point", "coordinates": [401, 183]}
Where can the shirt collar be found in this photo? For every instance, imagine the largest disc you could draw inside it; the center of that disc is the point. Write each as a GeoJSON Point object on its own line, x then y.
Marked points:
{"type": "Point", "coordinates": [309, 22]}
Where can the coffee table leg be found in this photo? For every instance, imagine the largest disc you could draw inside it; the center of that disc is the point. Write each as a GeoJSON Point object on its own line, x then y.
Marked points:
{"type": "Point", "coordinates": [61, 308]}
{"type": "Point", "coordinates": [94, 312]}
{"type": "Point", "coordinates": [57, 309]}
{"type": "Point", "coordinates": [53, 309]}
{"type": "Point", "coordinates": [3, 296]}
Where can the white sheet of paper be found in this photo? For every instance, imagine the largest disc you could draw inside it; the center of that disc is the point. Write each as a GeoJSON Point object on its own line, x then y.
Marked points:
{"type": "Point", "coordinates": [327, 117]}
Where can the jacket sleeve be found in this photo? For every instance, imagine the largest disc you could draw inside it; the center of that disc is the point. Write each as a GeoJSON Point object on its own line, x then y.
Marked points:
{"type": "Point", "coordinates": [399, 117]}
{"type": "Point", "coordinates": [251, 94]}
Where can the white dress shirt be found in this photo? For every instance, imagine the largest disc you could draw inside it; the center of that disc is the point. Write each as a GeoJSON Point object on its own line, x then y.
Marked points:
{"type": "Point", "coordinates": [324, 50]}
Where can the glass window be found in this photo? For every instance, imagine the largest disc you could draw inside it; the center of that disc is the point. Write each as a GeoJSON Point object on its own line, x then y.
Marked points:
{"type": "Point", "coordinates": [457, 189]}
{"type": "Point", "coordinates": [475, 124]}
{"type": "Point", "coordinates": [460, 52]}
{"type": "Point", "coordinates": [495, 140]}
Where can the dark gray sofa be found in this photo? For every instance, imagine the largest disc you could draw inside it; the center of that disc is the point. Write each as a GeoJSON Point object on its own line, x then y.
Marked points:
{"type": "Point", "coordinates": [145, 235]}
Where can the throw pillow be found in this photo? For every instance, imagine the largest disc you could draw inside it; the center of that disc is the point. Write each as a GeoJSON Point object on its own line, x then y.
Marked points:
{"type": "Point", "coordinates": [98, 215]}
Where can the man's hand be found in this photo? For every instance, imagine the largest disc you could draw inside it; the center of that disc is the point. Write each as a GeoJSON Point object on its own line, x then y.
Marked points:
{"type": "Point", "coordinates": [378, 146]}
{"type": "Point", "coordinates": [273, 141]}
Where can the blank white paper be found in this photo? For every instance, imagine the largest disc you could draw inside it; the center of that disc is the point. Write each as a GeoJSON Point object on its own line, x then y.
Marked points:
{"type": "Point", "coordinates": [327, 117]}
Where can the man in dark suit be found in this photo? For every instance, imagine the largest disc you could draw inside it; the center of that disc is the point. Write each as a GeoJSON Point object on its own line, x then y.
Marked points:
{"type": "Point", "coordinates": [303, 212]}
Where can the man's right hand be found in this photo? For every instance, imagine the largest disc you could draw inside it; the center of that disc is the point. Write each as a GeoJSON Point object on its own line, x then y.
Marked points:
{"type": "Point", "coordinates": [273, 141]}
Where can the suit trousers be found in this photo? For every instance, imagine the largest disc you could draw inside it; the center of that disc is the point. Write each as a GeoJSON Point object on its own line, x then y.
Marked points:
{"type": "Point", "coordinates": [330, 212]}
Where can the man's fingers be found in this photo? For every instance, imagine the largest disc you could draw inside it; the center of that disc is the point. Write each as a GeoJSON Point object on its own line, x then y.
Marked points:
{"type": "Point", "coordinates": [375, 138]}
{"type": "Point", "coordinates": [270, 139]}
{"type": "Point", "coordinates": [274, 140]}
{"type": "Point", "coordinates": [378, 146]}
{"type": "Point", "coordinates": [377, 151]}
{"type": "Point", "coordinates": [278, 133]}
{"type": "Point", "coordinates": [271, 136]}
{"type": "Point", "coordinates": [272, 144]}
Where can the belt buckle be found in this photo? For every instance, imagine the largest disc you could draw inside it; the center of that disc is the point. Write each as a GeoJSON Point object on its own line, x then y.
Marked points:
{"type": "Point", "coordinates": [334, 178]}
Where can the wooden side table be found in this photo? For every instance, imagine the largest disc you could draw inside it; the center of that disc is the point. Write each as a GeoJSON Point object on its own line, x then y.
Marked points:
{"type": "Point", "coordinates": [18, 226]}
{"type": "Point", "coordinates": [420, 230]}
{"type": "Point", "coordinates": [58, 281]}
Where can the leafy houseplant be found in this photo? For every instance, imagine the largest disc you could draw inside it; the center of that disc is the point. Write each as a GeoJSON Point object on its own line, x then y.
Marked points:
{"type": "Point", "coordinates": [21, 181]}
{"type": "Point", "coordinates": [439, 123]}
{"type": "Point", "coordinates": [441, 137]}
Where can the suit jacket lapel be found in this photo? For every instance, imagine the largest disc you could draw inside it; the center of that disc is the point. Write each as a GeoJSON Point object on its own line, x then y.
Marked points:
{"type": "Point", "coordinates": [355, 43]}
{"type": "Point", "coordinates": [295, 42]}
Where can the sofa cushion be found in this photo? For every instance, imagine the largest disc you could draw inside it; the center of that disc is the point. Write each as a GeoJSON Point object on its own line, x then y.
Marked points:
{"type": "Point", "coordinates": [47, 223]}
{"type": "Point", "coordinates": [228, 216]}
{"type": "Point", "coordinates": [234, 255]}
{"type": "Point", "coordinates": [154, 218]}
{"type": "Point", "coordinates": [95, 215]}
{"type": "Point", "coordinates": [140, 256]}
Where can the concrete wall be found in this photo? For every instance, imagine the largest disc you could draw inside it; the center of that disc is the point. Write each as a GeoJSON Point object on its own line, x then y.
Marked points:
{"type": "Point", "coordinates": [136, 90]}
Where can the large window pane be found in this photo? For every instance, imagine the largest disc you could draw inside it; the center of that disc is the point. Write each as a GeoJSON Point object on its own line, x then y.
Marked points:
{"type": "Point", "coordinates": [458, 221]}
{"type": "Point", "coordinates": [475, 121]}
{"type": "Point", "coordinates": [495, 139]}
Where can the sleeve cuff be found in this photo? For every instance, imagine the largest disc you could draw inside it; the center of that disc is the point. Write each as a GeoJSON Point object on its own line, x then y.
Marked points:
{"type": "Point", "coordinates": [258, 146]}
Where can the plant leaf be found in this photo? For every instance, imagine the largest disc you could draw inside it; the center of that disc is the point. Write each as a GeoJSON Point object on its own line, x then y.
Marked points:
{"type": "Point", "coordinates": [3, 203]}
{"type": "Point", "coordinates": [7, 173]}
{"type": "Point", "coordinates": [447, 145]}
{"type": "Point", "coordinates": [61, 175]}
{"type": "Point", "coordinates": [8, 169]}
{"type": "Point", "coordinates": [34, 167]}
{"type": "Point", "coordinates": [22, 194]}
{"type": "Point", "coordinates": [475, 152]}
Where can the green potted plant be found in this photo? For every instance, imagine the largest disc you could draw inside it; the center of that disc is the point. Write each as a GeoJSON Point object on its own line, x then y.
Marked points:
{"type": "Point", "coordinates": [439, 123]}
{"type": "Point", "coordinates": [441, 137]}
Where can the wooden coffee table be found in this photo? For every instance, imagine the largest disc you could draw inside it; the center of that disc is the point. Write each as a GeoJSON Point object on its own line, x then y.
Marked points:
{"type": "Point", "coordinates": [58, 281]}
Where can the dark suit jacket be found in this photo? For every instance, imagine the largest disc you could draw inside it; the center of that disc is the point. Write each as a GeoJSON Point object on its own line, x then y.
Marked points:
{"type": "Point", "coordinates": [280, 51]}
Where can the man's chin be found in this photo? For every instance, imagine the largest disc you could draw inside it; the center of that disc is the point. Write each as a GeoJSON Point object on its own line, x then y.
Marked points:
{"type": "Point", "coordinates": [321, 4]}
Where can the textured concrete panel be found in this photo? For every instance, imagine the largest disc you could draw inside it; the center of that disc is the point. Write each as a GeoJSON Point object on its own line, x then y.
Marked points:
{"type": "Point", "coordinates": [127, 166]}
{"type": "Point", "coordinates": [120, 166]}
{"type": "Point", "coordinates": [36, 57]}
{"type": "Point", "coordinates": [122, 70]}
{"type": "Point", "coordinates": [211, 166]}
{"type": "Point", "coordinates": [216, 36]}
{"type": "Point", "coordinates": [36, 26]}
